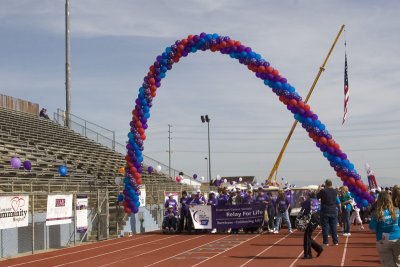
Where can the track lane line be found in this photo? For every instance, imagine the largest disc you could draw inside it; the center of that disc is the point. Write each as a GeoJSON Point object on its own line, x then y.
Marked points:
{"type": "Point", "coordinates": [185, 251]}
{"type": "Point", "coordinates": [344, 252]}
{"type": "Point", "coordinates": [268, 248]}
{"type": "Point", "coordinates": [114, 251]}
{"type": "Point", "coordinates": [227, 249]}
{"type": "Point", "coordinates": [144, 253]}
{"type": "Point", "coordinates": [78, 251]}
{"type": "Point", "coordinates": [302, 252]}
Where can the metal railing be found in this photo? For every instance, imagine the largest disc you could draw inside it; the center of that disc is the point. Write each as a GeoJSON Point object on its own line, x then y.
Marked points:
{"type": "Point", "coordinates": [106, 137]}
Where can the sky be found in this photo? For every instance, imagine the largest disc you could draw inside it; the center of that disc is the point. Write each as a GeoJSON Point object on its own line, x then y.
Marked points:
{"type": "Point", "coordinates": [113, 43]}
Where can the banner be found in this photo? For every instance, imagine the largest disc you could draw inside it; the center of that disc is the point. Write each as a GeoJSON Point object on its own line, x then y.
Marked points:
{"type": "Point", "coordinates": [14, 211]}
{"type": "Point", "coordinates": [81, 213]}
{"type": "Point", "coordinates": [238, 216]}
{"type": "Point", "coordinates": [142, 196]}
{"type": "Point", "coordinates": [59, 209]}
{"type": "Point", "coordinates": [201, 216]}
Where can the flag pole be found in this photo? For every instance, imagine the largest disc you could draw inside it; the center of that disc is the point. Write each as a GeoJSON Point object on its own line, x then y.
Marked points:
{"type": "Point", "coordinates": [321, 69]}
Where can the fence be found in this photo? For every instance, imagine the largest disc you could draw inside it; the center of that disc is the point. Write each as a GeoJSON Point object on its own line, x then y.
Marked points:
{"type": "Point", "coordinates": [9, 102]}
{"type": "Point", "coordinates": [39, 236]}
{"type": "Point", "coordinates": [106, 137]}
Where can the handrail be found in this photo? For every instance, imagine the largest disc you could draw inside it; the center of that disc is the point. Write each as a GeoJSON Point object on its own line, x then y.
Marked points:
{"type": "Point", "coordinates": [116, 146]}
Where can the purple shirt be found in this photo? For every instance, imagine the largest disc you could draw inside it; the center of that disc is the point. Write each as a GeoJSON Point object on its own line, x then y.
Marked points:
{"type": "Point", "coordinates": [247, 199]}
{"type": "Point", "coordinates": [171, 202]}
{"type": "Point", "coordinates": [222, 200]}
{"type": "Point", "coordinates": [282, 204]}
{"type": "Point", "coordinates": [184, 204]}
{"type": "Point", "coordinates": [212, 201]}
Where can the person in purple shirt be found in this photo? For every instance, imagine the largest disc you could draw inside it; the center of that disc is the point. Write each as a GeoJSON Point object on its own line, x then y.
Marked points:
{"type": "Point", "coordinates": [171, 202]}
{"type": "Point", "coordinates": [248, 198]}
{"type": "Point", "coordinates": [282, 206]}
{"type": "Point", "coordinates": [184, 212]}
{"type": "Point", "coordinates": [170, 223]}
{"type": "Point", "coordinates": [212, 200]}
{"type": "Point", "coordinates": [197, 199]}
{"type": "Point", "coordinates": [223, 198]}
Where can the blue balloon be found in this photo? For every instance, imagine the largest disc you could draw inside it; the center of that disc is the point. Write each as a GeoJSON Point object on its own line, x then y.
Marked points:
{"type": "Point", "coordinates": [135, 198]}
{"type": "Point", "coordinates": [364, 203]}
{"type": "Point", "coordinates": [120, 198]}
{"type": "Point", "coordinates": [62, 170]}
{"type": "Point", "coordinates": [137, 204]}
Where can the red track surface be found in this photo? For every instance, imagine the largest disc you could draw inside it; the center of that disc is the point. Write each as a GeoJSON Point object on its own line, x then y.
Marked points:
{"type": "Point", "coordinates": [209, 250]}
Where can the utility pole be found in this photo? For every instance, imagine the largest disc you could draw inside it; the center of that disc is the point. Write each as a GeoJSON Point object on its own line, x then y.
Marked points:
{"type": "Point", "coordinates": [169, 149]}
{"type": "Point", "coordinates": [67, 68]}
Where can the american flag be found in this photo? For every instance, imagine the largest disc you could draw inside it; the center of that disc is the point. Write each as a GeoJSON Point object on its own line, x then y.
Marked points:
{"type": "Point", "coordinates": [346, 88]}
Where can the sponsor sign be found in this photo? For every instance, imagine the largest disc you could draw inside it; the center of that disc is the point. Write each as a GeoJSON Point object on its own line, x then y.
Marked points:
{"type": "Point", "coordinates": [13, 211]}
{"type": "Point", "coordinates": [59, 209]}
{"type": "Point", "coordinates": [81, 213]}
{"type": "Point", "coordinates": [142, 196]}
{"type": "Point", "coordinates": [201, 216]}
{"type": "Point", "coordinates": [238, 216]}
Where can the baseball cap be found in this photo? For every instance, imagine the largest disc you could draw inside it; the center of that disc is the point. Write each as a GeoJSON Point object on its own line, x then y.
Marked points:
{"type": "Point", "coordinates": [170, 194]}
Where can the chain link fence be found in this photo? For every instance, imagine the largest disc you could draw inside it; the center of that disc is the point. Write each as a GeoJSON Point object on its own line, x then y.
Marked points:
{"type": "Point", "coordinates": [39, 236]}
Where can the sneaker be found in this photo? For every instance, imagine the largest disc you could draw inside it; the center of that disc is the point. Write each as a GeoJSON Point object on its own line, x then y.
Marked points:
{"type": "Point", "coordinates": [336, 244]}
{"type": "Point", "coordinates": [276, 232]}
{"type": "Point", "coordinates": [213, 231]}
{"type": "Point", "coordinates": [271, 230]}
{"type": "Point", "coordinates": [325, 245]}
{"type": "Point", "coordinates": [361, 227]}
{"type": "Point", "coordinates": [229, 230]}
{"type": "Point", "coordinates": [348, 234]}
{"type": "Point", "coordinates": [290, 231]}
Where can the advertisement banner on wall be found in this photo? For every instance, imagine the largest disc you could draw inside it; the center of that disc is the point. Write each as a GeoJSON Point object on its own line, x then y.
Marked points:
{"type": "Point", "coordinates": [201, 216]}
{"type": "Point", "coordinates": [14, 211]}
{"type": "Point", "coordinates": [81, 213]}
{"type": "Point", "coordinates": [59, 209]}
{"type": "Point", "coordinates": [142, 196]}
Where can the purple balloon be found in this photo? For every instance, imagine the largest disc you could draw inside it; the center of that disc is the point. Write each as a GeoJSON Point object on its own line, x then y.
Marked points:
{"type": "Point", "coordinates": [15, 163]}
{"type": "Point", "coordinates": [27, 165]}
{"type": "Point", "coordinates": [194, 176]}
{"type": "Point", "coordinates": [149, 169]}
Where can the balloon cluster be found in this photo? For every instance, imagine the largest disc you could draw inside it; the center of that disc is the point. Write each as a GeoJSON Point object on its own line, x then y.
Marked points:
{"type": "Point", "coordinates": [130, 195]}
{"type": "Point", "coordinates": [16, 163]}
{"type": "Point", "coordinates": [62, 170]}
{"type": "Point", "coordinates": [271, 77]}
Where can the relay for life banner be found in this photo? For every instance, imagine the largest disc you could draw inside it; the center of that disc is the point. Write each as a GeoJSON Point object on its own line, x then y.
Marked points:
{"type": "Point", "coordinates": [81, 213]}
{"type": "Point", "coordinates": [225, 217]}
{"type": "Point", "coordinates": [201, 216]}
{"type": "Point", "coordinates": [59, 209]}
{"type": "Point", "coordinates": [14, 211]}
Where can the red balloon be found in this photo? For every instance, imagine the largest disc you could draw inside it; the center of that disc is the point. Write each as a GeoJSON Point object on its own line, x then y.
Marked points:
{"type": "Point", "coordinates": [323, 140]}
{"type": "Point", "coordinates": [293, 102]}
{"type": "Point", "coordinates": [351, 181]}
{"type": "Point", "coordinates": [137, 175]}
{"type": "Point", "coordinates": [307, 107]}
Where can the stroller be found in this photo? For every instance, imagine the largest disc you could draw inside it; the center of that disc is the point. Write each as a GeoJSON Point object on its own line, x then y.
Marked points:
{"type": "Point", "coordinates": [302, 221]}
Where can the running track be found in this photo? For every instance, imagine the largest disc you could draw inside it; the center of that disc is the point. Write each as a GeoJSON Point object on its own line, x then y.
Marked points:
{"type": "Point", "coordinates": [209, 250]}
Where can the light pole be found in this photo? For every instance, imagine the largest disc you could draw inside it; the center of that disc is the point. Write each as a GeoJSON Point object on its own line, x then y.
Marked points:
{"type": "Point", "coordinates": [206, 159]}
{"type": "Point", "coordinates": [207, 119]}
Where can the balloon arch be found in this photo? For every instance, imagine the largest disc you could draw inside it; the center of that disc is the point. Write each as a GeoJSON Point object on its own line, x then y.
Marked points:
{"type": "Point", "coordinates": [264, 71]}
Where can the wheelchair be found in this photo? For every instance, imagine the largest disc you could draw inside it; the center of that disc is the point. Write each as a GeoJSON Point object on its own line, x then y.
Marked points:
{"type": "Point", "coordinates": [170, 224]}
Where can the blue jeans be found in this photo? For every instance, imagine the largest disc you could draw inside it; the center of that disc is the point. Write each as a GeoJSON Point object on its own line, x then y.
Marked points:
{"type": "Point", "coordinates": [285, 216]}
{"type": "Point", "coordinates": [329, 224]}
{"type": "Point", "coordinates": [346, 221]}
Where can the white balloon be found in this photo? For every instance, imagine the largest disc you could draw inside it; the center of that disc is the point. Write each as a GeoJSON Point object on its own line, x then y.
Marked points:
{"type": "Point", "coordinates": [218, 177]}
{"type": "Point", "coordinates": [202, 178]}
{"type": "Point", "coordinates": [240, 179]}
{"type": "Point", "coordinates": [181, 176]}
{"type": "Point", "coordinates": [158, 168]}
{"type": "Point", "coordinates": [225, 181]}
{"type": "Point", "coordinates": [117, 180]}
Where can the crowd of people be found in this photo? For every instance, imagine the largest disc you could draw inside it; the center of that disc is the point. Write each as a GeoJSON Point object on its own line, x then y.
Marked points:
{"type": "Point", "coordinates": [327, 207]}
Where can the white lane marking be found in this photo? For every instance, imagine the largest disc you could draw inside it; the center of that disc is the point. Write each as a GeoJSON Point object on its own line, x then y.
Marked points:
{"type": "Point", "coordinates": [185, 251]}
{"type": "Point", "coordinates": [301, 253]}
{"type": "Point", "coordinates": [226, 250]}
{"type": "Point", "coordinates": [79, 251]}
{"type": "Point", "coordinates": [113, 251]}
{"type": "Point", "coordinates": [344, 252]}
{"type": "Point", "coordinates": [268, 248]}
